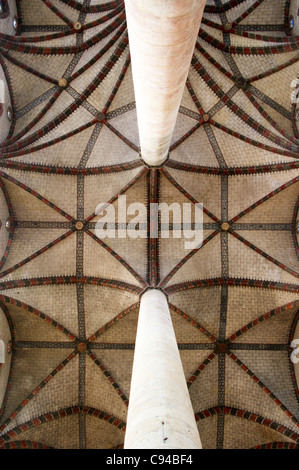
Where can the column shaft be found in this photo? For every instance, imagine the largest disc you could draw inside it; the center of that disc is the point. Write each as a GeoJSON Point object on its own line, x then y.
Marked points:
{"type": "Point", "coordinates": [162, 36]}
{"type": "Point", "coordinates": [160, 414]}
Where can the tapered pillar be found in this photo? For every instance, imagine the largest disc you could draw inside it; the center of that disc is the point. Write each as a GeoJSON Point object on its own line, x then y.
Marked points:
{"type": "Point", "coordinates": [160, 414]}
{"type": "Point", "coordinates": [162, 36]}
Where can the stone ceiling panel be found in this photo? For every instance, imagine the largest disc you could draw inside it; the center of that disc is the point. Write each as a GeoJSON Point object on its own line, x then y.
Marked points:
{"type": "Point", "coordinates": [58, 302]}
{"type": "Point", "coordinates": [62, 433]}
{"type": "Point", "coordinates": [119, 363]}
{"type": "Point", "coordinates": [102, 305]}
{"type": "Point", "coordinates": [31, 367]}
{"type": "Point", "coordinates": [202, 305]}
{"type": "Point", "coordinates": [245, 434]}
{"type": "Point", "coordinates": [51, 397]}
{"type": "Point", "coordinates": [102, 435]}
{"type": "Point", "coordinates": [204, 390]}
{"type": "Point", "coordinates": [254, 400]}
{"type": "Point", "coordinates": [100, 393]}
{"type": "Point", "coordinates": [272, 368]}
{"type": "Point", "coordinates": [245, 304]}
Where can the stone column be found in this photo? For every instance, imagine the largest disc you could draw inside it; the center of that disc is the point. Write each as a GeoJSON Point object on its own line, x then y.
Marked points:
{"type": "Point", "coordinates": [162, 36]}
{"type": "Point", "coordinates": [160, 414]}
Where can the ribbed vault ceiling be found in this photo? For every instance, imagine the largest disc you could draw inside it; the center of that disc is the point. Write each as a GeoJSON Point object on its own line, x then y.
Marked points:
{"type": "Point", "coordinates": [69, 301]}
